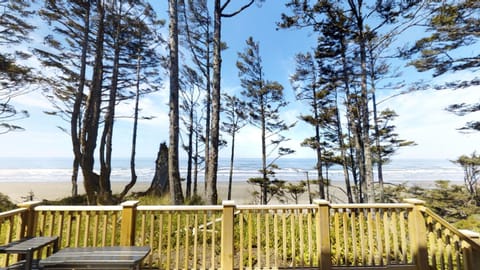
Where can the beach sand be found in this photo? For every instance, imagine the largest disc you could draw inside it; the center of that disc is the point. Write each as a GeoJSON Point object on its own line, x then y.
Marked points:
{"type": "Point", "coordinates": [242, 192]}
{"type": "Point", "coordinates": [19, 192]}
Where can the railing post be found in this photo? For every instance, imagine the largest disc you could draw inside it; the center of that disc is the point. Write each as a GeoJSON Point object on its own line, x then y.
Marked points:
{"type": "Point", "coordinates": [129, 217]}
{"type": "Point", "coordinates": [471, 256]}
{"type": "Point", "coordinates": [28, 218]}
{"type": "Point", "coordinates": [323, 234]}
{"type": "Point", "coordinates": [227, 235]}
{"type": "Point", "coordinates": [418, 234]}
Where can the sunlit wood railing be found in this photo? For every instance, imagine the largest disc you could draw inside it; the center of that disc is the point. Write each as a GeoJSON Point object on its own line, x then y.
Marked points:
{"type": "Point", "coordinates": [448, 248]}
{"type": "Point", "coordinates": [11, 229]}
{"type": "Point", "coordinates": [228, 236]}
{"type": "Point", "coordinates": [80, 226]}
{"type": "Point", "coordinates": [283, 235]}
{"type": "Point", "coordinates": [371, 234]}
{"type": "Point", "coordinates": [180, 237]}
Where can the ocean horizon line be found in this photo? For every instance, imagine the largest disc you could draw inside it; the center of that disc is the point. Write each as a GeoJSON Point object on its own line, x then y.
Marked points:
{"type": "Point", "coordinates": [290, 169]}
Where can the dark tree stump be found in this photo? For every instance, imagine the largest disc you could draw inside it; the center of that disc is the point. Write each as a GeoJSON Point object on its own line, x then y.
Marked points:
{"type": "Point", "coordinates": [159, 185]}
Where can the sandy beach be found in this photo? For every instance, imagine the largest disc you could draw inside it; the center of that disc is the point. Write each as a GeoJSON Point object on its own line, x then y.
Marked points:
{"type": "Point", "coordinates": [241, 191]}
{"type": "Point", "coordinates": [19, 192]}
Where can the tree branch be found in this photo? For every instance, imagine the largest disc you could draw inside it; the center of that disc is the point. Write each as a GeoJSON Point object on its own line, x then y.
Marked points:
{"type": "Point", "coordinates": [236, 12]}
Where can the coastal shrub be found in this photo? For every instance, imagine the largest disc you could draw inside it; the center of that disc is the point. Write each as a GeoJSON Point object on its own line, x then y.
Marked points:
{"type": "Point", "coordinates": [72, 200]}
{"type": "Point", "coordinates": [153, 200]}
{"type": "Point", "coordinates": [195, 200]}
{"type": "Point", "coordinates": [451, 202]}
{"type": "Point", "coordinates": [472, 222]}
{"type": "Point", "coordinates": [5, 203]}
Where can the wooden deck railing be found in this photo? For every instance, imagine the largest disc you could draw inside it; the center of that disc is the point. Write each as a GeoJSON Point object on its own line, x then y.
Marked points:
{"type": "Point", "coordinates": [228, 236]}
{"type": "Point", "coordinates": [11, 229]}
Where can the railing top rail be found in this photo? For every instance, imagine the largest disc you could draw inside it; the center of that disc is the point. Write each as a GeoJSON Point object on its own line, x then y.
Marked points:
{"type": "Point", "coordinates": [371, 205]}
{"type": "Point", "coordinates": [78, 208]}
{"type": "Point", "coordinates": [13, 212]}
{"type": "Point", "coordinates": [276, 207]}
{"type": "Point", "coordinates": [215, 207]}
{"type": "Point", "coordinates": [179, 207]}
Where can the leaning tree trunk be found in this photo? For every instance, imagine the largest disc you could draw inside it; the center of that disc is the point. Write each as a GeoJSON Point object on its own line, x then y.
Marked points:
{"type": "Point", "coordinates": [318, 150]}
{"type": "Point", "coordinates": [133, 174]}
{"type": "Point", "coordinates": [92, 115]}
{"type": "Point", "coordinates": [107, 136]}
{"type": "Point", "coordinates": [76, 120]}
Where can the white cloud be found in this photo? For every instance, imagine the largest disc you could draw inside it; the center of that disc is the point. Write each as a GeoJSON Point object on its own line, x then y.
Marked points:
{"type": "Point", "coordinates": [33, 99]}
{"type": "Point", "coordinates": [423, 119]}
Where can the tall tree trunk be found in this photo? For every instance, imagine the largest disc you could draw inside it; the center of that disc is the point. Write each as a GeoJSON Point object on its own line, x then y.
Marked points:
{"type": "Point", "coordinates": [370, 192]}
{"type": "Point", "coordinates": [107, 136]}
{"type": "Point", "coordinates": [318, 147]}
{"type": "Point", "coordinates": [75, 124]}
{"type": "Point", "coordinates": [212, 166]}
{"type": "Point", "coordinates": [379, 150]}
{"type": "Point", "coordinates": [196, 165]}
{"type": "Point", "coordinates": [176, 193]}
{"type": "Point", "coordinates": [351, 127]}
{"type": "Point", "coordinates": [343, 153]}
{"type": "Point", "coordinates": [190, 154]}
{"type": "Point", "coordinates": [356, 9]}
{"type": "Point", "coordinates": [92, 114]}
{"type": "Point", "coordinates": [265, 181]}
{"type": "Point", "coordinates": [208, 112]}
{"type": "Point", "coordinates": [360, 157]}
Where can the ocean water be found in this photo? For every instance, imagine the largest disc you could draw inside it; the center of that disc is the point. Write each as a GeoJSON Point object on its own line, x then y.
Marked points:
{"type": "Point", "coordinates": [59, 170]}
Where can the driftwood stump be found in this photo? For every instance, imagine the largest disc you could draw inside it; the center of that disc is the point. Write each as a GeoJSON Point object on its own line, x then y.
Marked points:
{"type": "Point", "coordinates": [159, 185]}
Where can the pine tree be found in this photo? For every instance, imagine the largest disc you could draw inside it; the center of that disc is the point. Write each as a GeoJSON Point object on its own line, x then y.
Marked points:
{"type": "Point", "coordinates": [306, 83]}
{"type": "Point", "coordinates": [451, 46]}
{"type": "Point", "coordinates": [235, 112]}
{"type": "Point", "coordinates": [348, 27]}
{"type": "Point", "coordinates": [67, 94]}
{"type": "Point", "coordinates": [76, 25]}
{"type": "Point", "coordinates": [264, 100]}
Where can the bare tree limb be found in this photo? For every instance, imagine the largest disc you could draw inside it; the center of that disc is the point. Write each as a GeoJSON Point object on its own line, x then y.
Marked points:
{"type": "Point", "coordinates": [229, 15]}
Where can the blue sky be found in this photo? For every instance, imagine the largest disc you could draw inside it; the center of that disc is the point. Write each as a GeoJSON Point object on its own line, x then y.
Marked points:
{"type": "Point", "coordinates": [421, 115]}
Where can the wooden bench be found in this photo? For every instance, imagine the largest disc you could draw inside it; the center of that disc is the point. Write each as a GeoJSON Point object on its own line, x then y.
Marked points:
{"type": "Point", "coordinates": [26, 248]}
{"type": "Point", "coordinates": [116, 257]}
